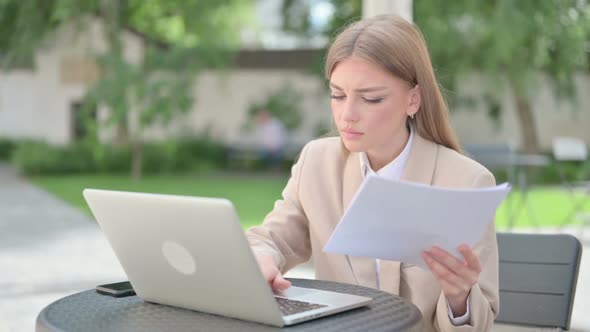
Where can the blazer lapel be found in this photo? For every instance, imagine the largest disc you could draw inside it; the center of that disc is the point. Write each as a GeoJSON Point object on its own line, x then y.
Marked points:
{"type": "Point", "coordinates": [421, 162]}
{"type": "Point", "coordinates": [363, 269]}
{"type": "Point", "coordinates": [419, 168]}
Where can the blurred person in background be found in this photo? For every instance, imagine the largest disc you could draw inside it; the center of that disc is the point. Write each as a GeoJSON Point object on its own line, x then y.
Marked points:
{"type": "Point", "coordinates": [272, 138]}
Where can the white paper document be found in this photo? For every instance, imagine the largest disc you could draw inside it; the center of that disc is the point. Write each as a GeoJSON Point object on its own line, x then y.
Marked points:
{"type": "Point", "coordinates": [395, 220]}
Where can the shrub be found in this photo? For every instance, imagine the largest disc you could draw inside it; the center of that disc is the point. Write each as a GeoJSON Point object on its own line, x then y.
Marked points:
{"type": "Point", "coordinates": [6, 149]}
{"type": "Point", "coordinates": [160, 157]}
{"type": "Point", "coordinates": [200, 153]}
{"type": "Point", "coordinates": [34, 157]}
{"type": "Point", "coordinates": [112, 158]}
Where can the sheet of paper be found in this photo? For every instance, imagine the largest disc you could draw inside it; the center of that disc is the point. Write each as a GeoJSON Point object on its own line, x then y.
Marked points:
{"type": "Point", "coordinates": [395, 220]}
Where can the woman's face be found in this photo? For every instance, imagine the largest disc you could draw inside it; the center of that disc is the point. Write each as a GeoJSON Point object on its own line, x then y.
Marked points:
{"type": "Point", "coordinates": [370, 107]}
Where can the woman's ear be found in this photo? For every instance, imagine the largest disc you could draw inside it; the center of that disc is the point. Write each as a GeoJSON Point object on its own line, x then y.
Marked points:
{"type": "Point", "coordinates": [414, 101]}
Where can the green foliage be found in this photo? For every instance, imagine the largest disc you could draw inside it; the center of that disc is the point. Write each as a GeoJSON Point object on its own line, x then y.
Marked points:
{"type": "Point", "coordinates": [202, 148]}
{"type": "Point", "coordinates": [284, 104]}
{"type": "Point", "coordinates": [6, 149]}
{"type": "Point", "coordinates": [296, 16]}
{"type": "Point", "coordinates": [296, 20]}
{"type": "Point", "coordinates": [111, 159]}
{"type": "Point", "coordinates": [512, 39]}
{"type": "Point", "coordinates": [180, 37]}
{"type": "Point", "coordinates": [190, 23]}
{"type": "Point", "coordinates": [18, 48]}
{"type": "Point", "coordinates": [36, 157]}
{"type": "Point", "coordinates": [508, 43]}
{"type": "Point", "coordinates": [498, 38]}
{"type": "Point", "coordinates": [199, 153]}
{"type": "Point", "coordinates": [573, 171]}
{"type": "Point", "coordinates": [170, 23]}
{"type": "Point", "coordinates": [347, 11]}
{"type": "Point", "coordinates": [549, 174]}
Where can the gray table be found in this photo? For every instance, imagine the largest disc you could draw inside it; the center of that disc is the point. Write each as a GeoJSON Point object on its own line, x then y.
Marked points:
{"type": "Point", "coordinates": [89, 311]}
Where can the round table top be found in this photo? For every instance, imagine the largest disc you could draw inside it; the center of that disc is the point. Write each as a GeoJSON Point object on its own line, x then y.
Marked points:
{"type": "Point", "coordinates": [90, 311]}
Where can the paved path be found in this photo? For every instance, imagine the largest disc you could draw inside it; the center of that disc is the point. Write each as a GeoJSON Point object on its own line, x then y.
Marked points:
{"type": "Point", "coordinates": [49, 250]}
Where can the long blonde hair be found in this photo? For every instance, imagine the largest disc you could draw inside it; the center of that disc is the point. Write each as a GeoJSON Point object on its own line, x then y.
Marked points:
{"type": "Point", "coordinates": [398, 47]}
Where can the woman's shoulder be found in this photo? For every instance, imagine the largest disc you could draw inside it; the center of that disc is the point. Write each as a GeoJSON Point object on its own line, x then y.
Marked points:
{"type": "Point", "coordinates": [324, 146]}
{"type": "Point", "coordinates": [323, 153]}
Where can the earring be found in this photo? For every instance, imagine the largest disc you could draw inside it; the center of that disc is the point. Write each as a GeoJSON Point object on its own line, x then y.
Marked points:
{"type": "Point", "coordinates": [412, 116]}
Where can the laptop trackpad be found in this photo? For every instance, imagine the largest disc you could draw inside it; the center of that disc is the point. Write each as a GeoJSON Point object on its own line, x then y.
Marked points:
{"type": "Point", "coordinates": [296, 292]}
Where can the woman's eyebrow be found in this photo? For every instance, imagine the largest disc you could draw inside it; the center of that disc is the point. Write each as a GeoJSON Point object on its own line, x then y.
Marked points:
{"type": "Point", "coordinates": [335, 86]}
{"type": "Point", "coordinates": [369, 89]}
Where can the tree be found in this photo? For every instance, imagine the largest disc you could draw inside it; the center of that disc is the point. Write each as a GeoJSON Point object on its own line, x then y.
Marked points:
{"type": "Point", "coordinates": [505, 41]}
{"type": "Point", "coordinates": [180, 38]}
{"type": "Point", "coordinates": [508, 41]}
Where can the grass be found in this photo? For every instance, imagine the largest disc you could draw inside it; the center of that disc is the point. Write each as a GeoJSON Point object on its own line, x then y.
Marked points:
{"type": "Point", "coordinates": [549, 206]}
{"type": "Point", "coordinates": [254, 196]}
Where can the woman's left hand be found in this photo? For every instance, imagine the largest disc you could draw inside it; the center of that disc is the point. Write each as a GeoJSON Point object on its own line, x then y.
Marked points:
{"type": "Point", "coordinates": [456, 277]}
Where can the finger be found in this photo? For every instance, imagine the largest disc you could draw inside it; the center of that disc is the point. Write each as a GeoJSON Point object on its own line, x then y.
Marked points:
{"type": "Point", "coordinates": [447, 259]}
{"type": "Point", "coordinates": [459, 267]}
{"type": "Point", "coordinates": [269, 274]}
{"type": "Point", "coordinates": [443, 273]}
{"type": "Point", "coordinates": [470, 257]}
{"type": "Point", "coordinates": [280, 283]}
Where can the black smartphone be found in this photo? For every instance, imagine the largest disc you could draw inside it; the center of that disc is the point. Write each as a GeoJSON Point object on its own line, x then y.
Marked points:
{"type": "Point", "coordinates": [118, 289]}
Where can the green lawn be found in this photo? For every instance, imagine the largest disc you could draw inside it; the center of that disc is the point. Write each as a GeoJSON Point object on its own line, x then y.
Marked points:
{"type": "Point", "coordinates": [254, 196]}
{"type": "Point", "coordinates": [549, 207]}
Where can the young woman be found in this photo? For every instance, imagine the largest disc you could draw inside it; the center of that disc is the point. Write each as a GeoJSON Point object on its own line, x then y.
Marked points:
{"type": "Point", "coordinates": [393, 121]}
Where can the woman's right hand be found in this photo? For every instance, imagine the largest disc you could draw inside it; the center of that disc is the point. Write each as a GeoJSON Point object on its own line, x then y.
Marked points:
{"type": "Point", "coordinates": [271, 273]}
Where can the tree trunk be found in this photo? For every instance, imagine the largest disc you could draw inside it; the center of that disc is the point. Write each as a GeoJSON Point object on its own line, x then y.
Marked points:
{"type": "Point", "coordinates": [136, 160]}
{"type": "Point", "coordinates": [528, 129]}
{"type": "Point", "coordinates": [122, 135]}
{"type": "Point", "coordinates": [111, 11]}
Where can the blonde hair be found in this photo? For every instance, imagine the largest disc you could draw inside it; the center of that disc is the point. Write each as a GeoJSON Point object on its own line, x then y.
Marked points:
{"type": "Point", "coordinates": [398, 47]}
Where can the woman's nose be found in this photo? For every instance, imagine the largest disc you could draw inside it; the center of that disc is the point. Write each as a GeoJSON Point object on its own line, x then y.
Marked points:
{"type": "Point", "coordinates": [349, 114]}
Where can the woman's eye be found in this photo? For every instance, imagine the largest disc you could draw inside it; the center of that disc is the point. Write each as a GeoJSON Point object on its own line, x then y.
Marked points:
{"type": "Point", "coordinates": [373, 101]}
{"type": "Point", "coordinates": [335, 97]}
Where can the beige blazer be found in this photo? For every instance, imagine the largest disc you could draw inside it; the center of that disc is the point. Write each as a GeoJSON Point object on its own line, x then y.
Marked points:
{"type": "Point", "coordinates": [322, 183]}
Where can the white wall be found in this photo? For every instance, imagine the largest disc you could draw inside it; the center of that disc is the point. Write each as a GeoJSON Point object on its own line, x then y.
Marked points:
{"type": "Point", "coordinates": [223, 100]}
{"type": "Point", "coordinates": [16, 104]}
{"type": "Point", "coordinates": [553, 117]}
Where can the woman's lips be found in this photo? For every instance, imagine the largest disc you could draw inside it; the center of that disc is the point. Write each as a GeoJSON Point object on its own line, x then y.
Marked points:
{"type": "Point", "coordinates": [351, 134]}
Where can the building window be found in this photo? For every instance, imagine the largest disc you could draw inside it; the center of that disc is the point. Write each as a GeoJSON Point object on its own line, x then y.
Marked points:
{"type": "Point", "coordinates": [82, 120]}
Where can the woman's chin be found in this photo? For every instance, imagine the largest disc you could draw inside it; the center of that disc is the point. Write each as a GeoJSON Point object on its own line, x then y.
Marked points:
{"type": "Point", "coordinates": [353, 146]}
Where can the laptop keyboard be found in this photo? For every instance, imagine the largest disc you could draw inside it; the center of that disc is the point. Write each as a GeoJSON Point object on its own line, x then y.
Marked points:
{"type": "Point", "coordinates": [290, 307]}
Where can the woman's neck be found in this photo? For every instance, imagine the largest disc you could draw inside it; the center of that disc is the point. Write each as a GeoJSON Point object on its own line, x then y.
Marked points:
{"type": "Point", "coordinates": [382, 156]}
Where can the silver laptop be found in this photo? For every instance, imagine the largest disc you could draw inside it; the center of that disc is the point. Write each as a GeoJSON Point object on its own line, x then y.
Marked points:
{"type": "Point", "coordinates": [191, 252]}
